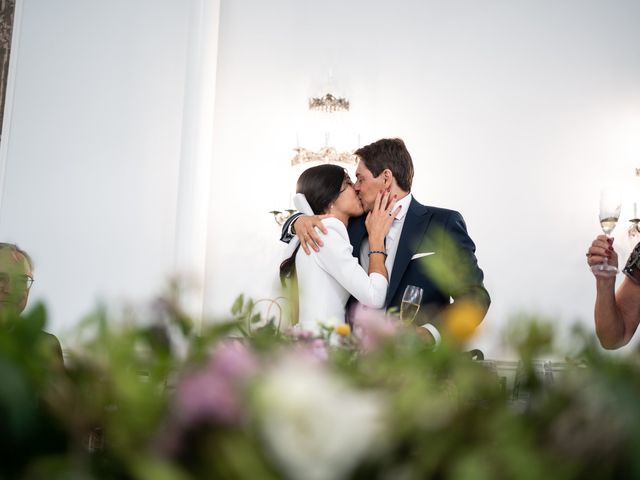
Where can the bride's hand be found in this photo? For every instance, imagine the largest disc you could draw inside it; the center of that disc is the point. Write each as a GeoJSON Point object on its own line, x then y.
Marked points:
{"type": "Point", "coordinates": [380, 218]}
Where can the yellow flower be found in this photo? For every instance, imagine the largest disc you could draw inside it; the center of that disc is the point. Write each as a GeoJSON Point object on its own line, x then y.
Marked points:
{"type": "Point", "coordinates": [461, 320]}
{"type": "Point", "coordinates": [343, 329]}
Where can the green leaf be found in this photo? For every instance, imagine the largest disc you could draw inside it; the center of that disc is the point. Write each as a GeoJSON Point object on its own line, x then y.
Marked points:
{"type": "Point", "coordinates": [155, 469]}
{"type": "Point", "coordinates": [36, 318]}
{"type": "Point", "coordinates": [236, 308]}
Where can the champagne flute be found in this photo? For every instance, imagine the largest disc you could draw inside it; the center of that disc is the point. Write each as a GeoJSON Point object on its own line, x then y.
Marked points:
{"type": "Point", "coordinates": [411, 300]}
{"type": "Point", "coordinates": [610, 206]}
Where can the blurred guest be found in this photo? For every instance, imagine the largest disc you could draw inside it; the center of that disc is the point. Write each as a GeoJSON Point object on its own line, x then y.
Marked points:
{"type": "Point", "coordinates": [16, 278]}
{"type": "Point", "coordinates": [34, 358]}
{"type": "Point", "coordinates": [617, 312]}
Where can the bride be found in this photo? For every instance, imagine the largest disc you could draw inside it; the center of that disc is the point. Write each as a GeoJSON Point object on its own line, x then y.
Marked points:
{"type": "Point", "coordinates": [327, 278]}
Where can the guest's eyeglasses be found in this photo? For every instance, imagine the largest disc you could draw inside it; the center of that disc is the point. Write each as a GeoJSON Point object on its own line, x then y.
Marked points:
{"type": "Point", "coordinates": [21, 282]}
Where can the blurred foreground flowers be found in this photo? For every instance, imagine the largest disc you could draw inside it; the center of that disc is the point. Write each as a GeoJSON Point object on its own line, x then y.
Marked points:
{"type": "Point", "coordinates": [153, 399]}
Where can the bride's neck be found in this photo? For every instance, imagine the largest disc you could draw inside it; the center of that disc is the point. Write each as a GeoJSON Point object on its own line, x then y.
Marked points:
{"type": "Point", "coordinates": [343, 217]}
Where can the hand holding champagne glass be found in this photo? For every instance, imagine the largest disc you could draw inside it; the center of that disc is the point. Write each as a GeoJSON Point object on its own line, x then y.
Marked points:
{"type": "Point", "coordinates": [410, 305]}
{"type": "Point", "coordinates": [610, 206]}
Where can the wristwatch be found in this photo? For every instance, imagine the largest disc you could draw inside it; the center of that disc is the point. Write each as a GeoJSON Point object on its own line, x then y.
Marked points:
{"type": "Point", "coordinates": [632, 268]}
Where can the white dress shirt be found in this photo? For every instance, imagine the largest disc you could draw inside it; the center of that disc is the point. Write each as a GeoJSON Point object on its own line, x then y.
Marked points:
{"type": "Point", "coordinates": [392, 239]}
{"type": "Point", "coordinates": [327, 278]}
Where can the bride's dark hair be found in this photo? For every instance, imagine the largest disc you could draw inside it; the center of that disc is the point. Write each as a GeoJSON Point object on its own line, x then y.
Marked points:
{"type": "Point", "coordinates": [321, 186]}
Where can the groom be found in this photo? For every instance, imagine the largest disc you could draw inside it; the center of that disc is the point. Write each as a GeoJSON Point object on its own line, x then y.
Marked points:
{"type": "Point", "coordinates": [428, 247]}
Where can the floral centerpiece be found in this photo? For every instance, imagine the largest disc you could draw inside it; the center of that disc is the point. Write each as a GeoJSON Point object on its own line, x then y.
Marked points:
{"type": "Point", "coordinates": [158, 400]}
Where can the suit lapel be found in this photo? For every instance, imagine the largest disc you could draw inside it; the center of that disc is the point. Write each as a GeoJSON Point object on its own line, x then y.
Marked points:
{"type": "Point", "coordinates": [357, 231]}
{"type": "Point", "coordinates": [415, 224]}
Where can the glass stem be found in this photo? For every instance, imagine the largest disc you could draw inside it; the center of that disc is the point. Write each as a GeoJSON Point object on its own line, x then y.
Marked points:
{"type": "Point", "coordinates": [605, 262]}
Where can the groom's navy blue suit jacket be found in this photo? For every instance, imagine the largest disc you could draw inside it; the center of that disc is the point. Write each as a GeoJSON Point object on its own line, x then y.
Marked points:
{"type": "Point", "coordinates": [450, 270]}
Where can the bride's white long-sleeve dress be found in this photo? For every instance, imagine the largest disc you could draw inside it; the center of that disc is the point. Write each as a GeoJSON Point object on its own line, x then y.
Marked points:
{"type": "Point", "coordinates": [327, 278]}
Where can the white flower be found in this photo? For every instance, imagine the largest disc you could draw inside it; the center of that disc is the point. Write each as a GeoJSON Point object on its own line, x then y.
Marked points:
{"type": "Point", "coordinates": [317, 426]}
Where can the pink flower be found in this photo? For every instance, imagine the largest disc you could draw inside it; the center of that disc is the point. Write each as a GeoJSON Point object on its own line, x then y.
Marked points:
{"type": "Point", "coordinates": [373, 327]}
{"type": "Point", "coordinates": [297, 333]}
{"type": "Point", "coordinates": [203, 397]}
{"type": "Point", "coordinates": [214, 393]}
{"type": "Point", "coordinates": [234, 361]}
{"type": "Point", "coordinates": [310, 352]}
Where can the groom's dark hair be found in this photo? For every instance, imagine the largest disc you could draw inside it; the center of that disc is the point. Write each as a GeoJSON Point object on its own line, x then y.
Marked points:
{"type": "Point", "coordinates": [321, 186]}
{"type": "Point", "coordinates": [389, 153]}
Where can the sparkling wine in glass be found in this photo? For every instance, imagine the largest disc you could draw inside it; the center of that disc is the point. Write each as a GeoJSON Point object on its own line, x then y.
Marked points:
{"type": "Point", "coordinates": [411, 300]}
{"type": "Point", "coordinates": [610, 206]}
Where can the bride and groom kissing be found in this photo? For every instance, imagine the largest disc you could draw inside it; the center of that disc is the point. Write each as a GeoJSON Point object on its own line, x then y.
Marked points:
{"type": "Point", "coordinates": [367, 241]}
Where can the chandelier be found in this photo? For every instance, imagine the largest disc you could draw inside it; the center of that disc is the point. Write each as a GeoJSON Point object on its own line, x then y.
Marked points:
{"type": "Point", "coordinates": [329, 103]}
{"type": "Point", "coordinates": [324, 155]}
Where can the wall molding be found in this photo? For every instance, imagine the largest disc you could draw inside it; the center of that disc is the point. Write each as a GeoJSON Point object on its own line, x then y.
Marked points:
{"type": "Point", "coordinates": [8, 81]}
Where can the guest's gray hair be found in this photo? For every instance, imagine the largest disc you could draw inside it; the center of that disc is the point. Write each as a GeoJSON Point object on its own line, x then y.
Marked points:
{"type": "Point", "coordinates": [15, 248]}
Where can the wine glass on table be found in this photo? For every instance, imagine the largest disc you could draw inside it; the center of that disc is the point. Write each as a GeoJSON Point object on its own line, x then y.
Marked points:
{"type": "Point", "coordinates": [411, 300]}
{"type": "Point", "coordinates": [610, 206]}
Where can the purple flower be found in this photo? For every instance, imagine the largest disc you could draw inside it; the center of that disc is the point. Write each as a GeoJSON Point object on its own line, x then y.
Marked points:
{"type": "Point", "coordinates": [203, 397]}
{"type": "Point", "coordinates": [214, 394]}
{"type": "Point", "coordinates": [373, 327]}
{"type": "Point", "coordinates": [311, 352]}
{"type": "Point", "coordinates": [234, 361]}
{"type": "Point", "coordinates": [298, 333]}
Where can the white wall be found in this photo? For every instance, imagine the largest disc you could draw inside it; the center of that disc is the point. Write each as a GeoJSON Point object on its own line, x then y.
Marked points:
{"type": "Point", "coordinates": [516, 114]}
{"type": "Point", "coordinates": [94, 151]}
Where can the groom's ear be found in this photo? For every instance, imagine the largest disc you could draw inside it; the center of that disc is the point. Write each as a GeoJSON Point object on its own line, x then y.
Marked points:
{"type": "Point", "coordinates": [387, 177]}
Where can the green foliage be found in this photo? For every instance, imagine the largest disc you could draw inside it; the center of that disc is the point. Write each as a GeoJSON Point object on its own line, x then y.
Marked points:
{"type": "Point", "coordinates": [123, 408]}
{"type": "Point", "coordinates": [453, 269]}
